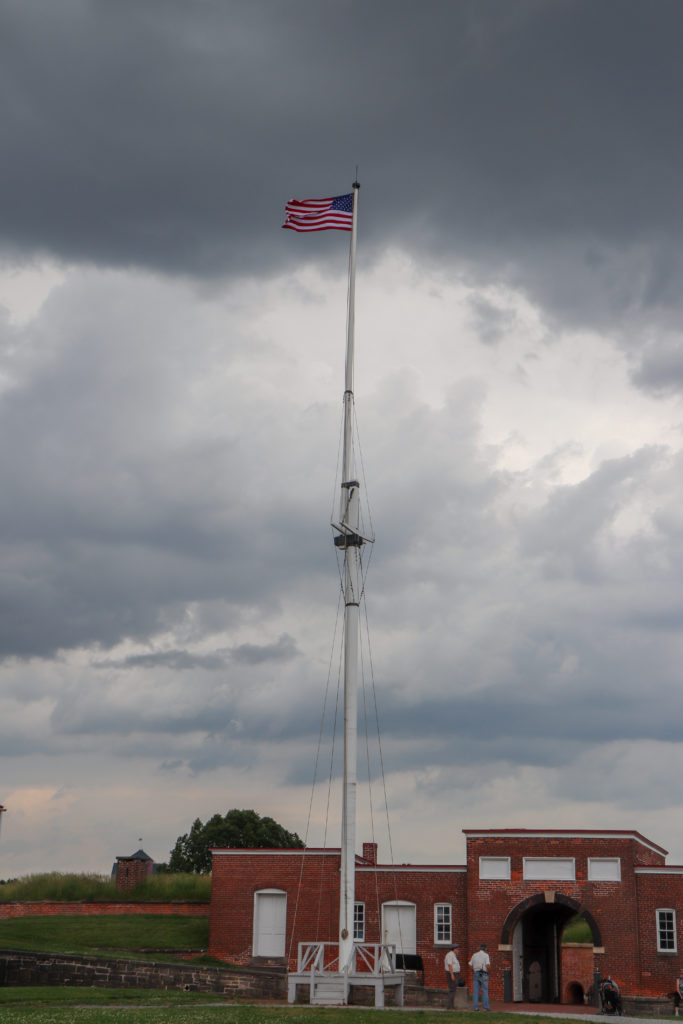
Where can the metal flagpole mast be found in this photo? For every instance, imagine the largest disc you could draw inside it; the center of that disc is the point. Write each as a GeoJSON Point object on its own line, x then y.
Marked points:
{"type": "Point", "coordinates": [351, 541]}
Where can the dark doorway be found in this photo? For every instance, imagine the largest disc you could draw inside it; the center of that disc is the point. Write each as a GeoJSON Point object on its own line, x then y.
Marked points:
{"type": "Point", "coordinates": [540, 968]}
{"type": "Point", "coordinates": [574, 993]}
{"type": "Point", "coordinates": [533, 931]}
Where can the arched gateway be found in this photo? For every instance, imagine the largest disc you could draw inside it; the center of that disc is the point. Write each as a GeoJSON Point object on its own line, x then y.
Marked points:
{"type": "Point", "coordinates": [532, 931]}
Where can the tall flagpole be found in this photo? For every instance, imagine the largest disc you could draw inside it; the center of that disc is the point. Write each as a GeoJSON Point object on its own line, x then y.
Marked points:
{"type": "Point", "coordinates": [351, 541]}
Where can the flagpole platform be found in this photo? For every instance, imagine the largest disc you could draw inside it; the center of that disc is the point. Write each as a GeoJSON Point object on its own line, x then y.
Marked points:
{"type": "Point", "coordinates": [373, 965]}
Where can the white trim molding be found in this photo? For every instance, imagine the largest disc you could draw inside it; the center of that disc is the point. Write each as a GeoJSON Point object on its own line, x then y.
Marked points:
{"type": "Point", "coordinates": [663, 870]}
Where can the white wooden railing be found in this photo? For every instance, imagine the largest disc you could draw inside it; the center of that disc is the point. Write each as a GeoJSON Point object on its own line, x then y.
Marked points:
{"type": "Point", "coordinates": [372, 957]}
{"type": "Point", "coordinates": [312, 957]}
{"type": "Point", "coordinates": [369, 963]}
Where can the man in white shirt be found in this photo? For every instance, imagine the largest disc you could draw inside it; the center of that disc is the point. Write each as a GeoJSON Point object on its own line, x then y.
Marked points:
{"type": "Point", "coordinates": [480, 963]}
{"type": "Point", "coordinates": [452, 965]}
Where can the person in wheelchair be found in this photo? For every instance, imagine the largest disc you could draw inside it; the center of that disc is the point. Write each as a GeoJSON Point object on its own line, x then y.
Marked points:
{"type": "Point", "coordinates": [610, 996]}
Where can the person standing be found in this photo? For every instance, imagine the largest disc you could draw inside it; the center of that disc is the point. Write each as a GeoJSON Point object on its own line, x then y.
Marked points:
{"type": "Point", "coordinates": [678, 994]}
{"type": "Point", "coordinates": [452, 965]}
{"type": "Point", "coordinates": [480, 964]}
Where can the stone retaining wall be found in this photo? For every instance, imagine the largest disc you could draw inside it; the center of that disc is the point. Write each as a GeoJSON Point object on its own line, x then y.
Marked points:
{"type": "Point", "coordinates": [19, 968]}
{"type": "Point", "coordinates": [646, 1006]}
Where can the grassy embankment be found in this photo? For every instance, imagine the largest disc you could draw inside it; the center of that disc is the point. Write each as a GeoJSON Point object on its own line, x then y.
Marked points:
{"type": "Point", "coordinates": [132, 936]}
{"type": "Point", "coordinates": [137, 936]}
{"type": "Point", "coordinates": [73, 888]}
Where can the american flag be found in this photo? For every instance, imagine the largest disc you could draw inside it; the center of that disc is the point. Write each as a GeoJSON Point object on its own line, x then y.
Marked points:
{"type": "Point", "coordinates": [320, 214]}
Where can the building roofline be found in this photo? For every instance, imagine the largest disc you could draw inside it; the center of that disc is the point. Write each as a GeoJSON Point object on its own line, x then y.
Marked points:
{"type": "Point", "coordinates": [575, 833]}
{"type": "Point", "coordinates": [138, 855]}
{"type": "Point", "coordinates": [444, 868]}
{"type": "Point", "coordinates": [286, 851]}
{"type": "Point", "coordinates": [321, 851]}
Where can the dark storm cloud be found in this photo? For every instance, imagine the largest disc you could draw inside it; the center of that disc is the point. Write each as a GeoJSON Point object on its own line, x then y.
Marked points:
{"type": "Point", "coordinates": [661, 366]}
{"type": "Point", "coordinates": [179, 661]}
{"type": "Point", "coordinates": [112, 518]}
{"type": "Point", "coordinates": [534, 140]}
{"type": "Point", "coordinates": [490, 323]}
{"type": "Point", "coordinates": [282, 649]}
{"type": "Point", "coordinates": [525, 717]}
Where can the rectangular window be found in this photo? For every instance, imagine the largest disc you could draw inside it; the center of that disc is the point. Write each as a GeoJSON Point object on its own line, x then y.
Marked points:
{"type": "Point", "coordinates": [604, 869]}
{"type": "Point", "coordinates": [443, 926]}
{"type": "Point", "coordinates": [666, 931]}
{"type": "Point", "coordinates": [359, 922]}
{"type": "Point", "coordinates": [549, 869]}
{"type": "Point", "coordinates": [494, 867]}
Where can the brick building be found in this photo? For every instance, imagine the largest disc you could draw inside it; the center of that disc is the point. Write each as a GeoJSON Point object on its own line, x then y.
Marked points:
{"type": "Point", "coordinates": [130, 871]}
{"type": "Point", "coordinates": [517, 891]}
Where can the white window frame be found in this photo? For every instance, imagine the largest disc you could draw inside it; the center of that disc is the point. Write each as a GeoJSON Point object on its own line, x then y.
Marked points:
{"type": "Point", "coordinates": [552, 869]}
{"type": "Point", "coordinates": [658, 917]}
{"type": "Point", "coordinates": [359, 922]}
{"type": "Point", "coordinates": [492, 868]}
{"type": "Point", "coordinates": [446, 926]}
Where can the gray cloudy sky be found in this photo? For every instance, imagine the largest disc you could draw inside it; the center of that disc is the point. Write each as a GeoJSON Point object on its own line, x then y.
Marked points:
{"type": "Point", "coordinates": [171, 370]}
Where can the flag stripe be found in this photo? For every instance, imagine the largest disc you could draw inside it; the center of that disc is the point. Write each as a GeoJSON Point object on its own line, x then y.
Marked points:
{"type": "Point", "coordinates": [334, 213]}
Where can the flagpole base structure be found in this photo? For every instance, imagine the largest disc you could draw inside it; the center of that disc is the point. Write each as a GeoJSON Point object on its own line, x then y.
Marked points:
{"type": "Point", "coordinates": [377, 970]}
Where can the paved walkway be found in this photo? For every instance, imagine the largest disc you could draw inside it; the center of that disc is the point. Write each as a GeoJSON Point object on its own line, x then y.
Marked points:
{"type": "Point", "coordinates": [585, 1013]}
{"type": "Point", "coordinates": [600, 1018]}
{"type": "Point", "coordinates": [552, 1010]}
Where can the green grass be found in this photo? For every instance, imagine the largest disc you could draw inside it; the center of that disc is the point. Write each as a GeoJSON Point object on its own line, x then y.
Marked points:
{"type": "Point", "coordinates": [577, 930]}
{"type": "Point", "coordinates": [46, 995]}
{"type": "Point", "coordinates": [72, 888]}
{"type": "Point", "coordinates": [131, 935]}
{"type": "Point", "coordinates": [83, 1011]}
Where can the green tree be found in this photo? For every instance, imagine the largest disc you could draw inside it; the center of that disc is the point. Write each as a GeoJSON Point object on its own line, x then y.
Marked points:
{"type": "Point", "coordinates": [237, 829]}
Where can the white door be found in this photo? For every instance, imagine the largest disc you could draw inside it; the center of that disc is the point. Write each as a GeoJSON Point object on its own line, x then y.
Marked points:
{"type": "Point", "coordinates": [399, 926]}
{"type": "Point", "coordinates": [517, 963]}
{"type": "Point", "coordinates": [270, 916]}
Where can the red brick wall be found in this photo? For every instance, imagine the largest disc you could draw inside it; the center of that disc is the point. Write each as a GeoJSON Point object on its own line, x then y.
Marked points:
{"type": "Point", "coordinates": [236, 877]}
{"type": "Point", "coordinates": [45, 908]}
{"type": "Point", "coordinates": [613, 905]}
{"type": "Point", "coordinates": [424, 888]}
{"type": "Point", "coordinates": [660, 891]}
{"type": "Point", "coordinates": [577, 968]}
